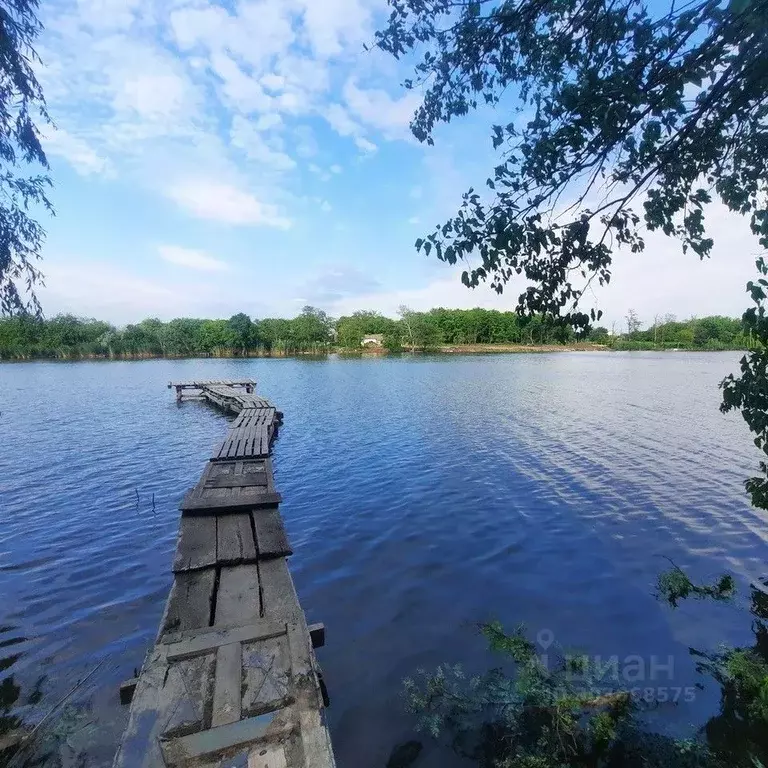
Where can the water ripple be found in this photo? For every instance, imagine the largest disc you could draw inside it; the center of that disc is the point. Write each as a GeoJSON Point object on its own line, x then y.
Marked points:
{"type": "Point", "coordinates": [421, 495]}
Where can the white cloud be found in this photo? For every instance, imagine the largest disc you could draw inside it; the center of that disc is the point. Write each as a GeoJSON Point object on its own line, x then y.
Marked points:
{"type": "Point", "coordinates": [95, 289]}
{"type": "Point", "coordinates": [414, 220]}
{"type": "Point", "coordinates": [80, 155]}
{"type": "Point", "coordinates": [92, 288]}
{"type": "Point", "coordinates": [325, 206]}
{"type": "Point", "coordinates": [364, 145]}
{"type": "Point", "coordinates": [241, 91]}
{"type": "Point", "coordinates": [268, 121]}
{"type": "Point", "coordinates": [319, 172]}
{"type": "Point", "coordinates": [191, 259]}
{"type": "Point", "coordinates": [335, 168]}
{"type": "Point", "coordinates": [255, 33]}
{"type": "Point", "coordinates": [247, 137]}
{"type": "Point", "coordinates": [658, 281]}
{"type": "Point", "coordinates": [108, 14]}
{"type": "Point", "coordinates": [663, 279]}
{"type": "Point", "coordinates": [332, 26]}
{"type": "Point", "coordinates": [338, 118]}
{"type": "Point", "coordinates": [273, 82]}
{"type": "Point", "coordinates": [153, 95]}
{"type": "Point", "coordinates": [376, 108]}
{"type": "Point", "coordinates": [306, 144]}
{"type": "Point", "coordinates": [225, 203]}
{"type": "Point", "coordinates": [341, 122]}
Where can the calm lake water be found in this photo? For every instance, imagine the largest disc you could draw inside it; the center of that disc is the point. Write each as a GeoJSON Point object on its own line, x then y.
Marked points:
{"type": "Point", "coordinates": [421, 495]}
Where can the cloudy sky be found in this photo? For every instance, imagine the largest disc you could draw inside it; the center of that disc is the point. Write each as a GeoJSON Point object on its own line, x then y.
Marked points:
{"type": "Point", "coordinates": [252, 156]}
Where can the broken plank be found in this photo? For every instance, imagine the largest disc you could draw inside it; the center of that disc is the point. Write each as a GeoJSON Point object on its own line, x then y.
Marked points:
{"type": "Point", "coordinates": [189, 604]}
{"type": "Point", "coordinates": [235, 539]}
{"type": "Point", "coordinates": [271, 539]}
{"type": "Point", "coordinates": [238, 599]}
{"type": "Point", "coordinates": [196, 546]}
{"type": "Point", "coordinates": [278, 594]}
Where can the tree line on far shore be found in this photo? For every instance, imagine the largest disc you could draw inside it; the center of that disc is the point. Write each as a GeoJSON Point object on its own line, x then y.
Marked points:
{"type": "Point", "coordinates": [313, 331]}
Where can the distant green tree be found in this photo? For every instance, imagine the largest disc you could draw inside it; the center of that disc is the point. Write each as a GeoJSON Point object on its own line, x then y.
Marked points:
{"type": "Point", "coordinates": [182, 336]}
{"type": "Point", "coordinates": [418, 329]}
{"type": "Point", "coordinates": [21, 104]}
{"type": "Point", "coordinates": [216, 337]}
{"type": "Point", "coordinates": [312, 327]}
{"type": "Point", "coordinates": [242, 330]}
{"type": "Point", "coordinates": [275, 333]}
{"type": "Point", "coordinates": [351, 329]}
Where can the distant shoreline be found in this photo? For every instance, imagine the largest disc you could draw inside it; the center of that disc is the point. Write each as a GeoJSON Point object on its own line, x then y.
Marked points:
{"type": "Point", "coordinates": [446, 349]}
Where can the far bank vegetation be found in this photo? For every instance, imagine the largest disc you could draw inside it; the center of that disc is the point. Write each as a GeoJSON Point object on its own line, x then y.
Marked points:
{"type": "Point", "coordinates": [314, 332]}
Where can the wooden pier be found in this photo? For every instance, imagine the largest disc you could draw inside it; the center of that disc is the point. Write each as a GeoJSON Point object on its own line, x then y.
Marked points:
{"type": "Point", "coordinates": [232, 680]}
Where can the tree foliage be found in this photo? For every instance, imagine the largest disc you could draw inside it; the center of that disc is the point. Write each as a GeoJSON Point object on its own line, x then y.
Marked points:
{"type": "Point", "coordinates": [614, 117]}
{"type": "Point", "coordinates": [749, 392]}
{"type": "Point", "coordinates": [550, 711]}
{"type": "Point", "coordinates": [67, 336]}
{"type": "Point", "coordinates": [21, 195]}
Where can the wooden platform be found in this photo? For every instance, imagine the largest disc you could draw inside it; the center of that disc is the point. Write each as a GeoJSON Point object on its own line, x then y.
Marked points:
{"type": "Point", "coordinates": [232, 679]}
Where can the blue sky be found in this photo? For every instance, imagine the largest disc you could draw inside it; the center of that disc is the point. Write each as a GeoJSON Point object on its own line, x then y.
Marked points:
{"type": "Point", "coordinates": [251, 156]}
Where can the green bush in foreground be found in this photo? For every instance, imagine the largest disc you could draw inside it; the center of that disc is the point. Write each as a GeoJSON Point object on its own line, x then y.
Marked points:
{"type": "Point", "coordinates": [560, 712]}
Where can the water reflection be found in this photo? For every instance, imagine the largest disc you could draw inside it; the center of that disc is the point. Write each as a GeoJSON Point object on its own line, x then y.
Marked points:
{"type": "Point", "coordinates": [739, 732]}
{"type": "Point", "coordinates": [419, 494]}
{"type": "Point", "coordinates": [538, 711]}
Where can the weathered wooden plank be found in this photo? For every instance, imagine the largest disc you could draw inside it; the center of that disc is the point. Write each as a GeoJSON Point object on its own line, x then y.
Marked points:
{"type": "Point", "coordinates": [315, 740]}
{"type": "Point", "coordinates": [189, 604]}
{"type": "Point", "coordinates": [204, 497]}
{"type": "Point", "coordinates": [193, 643]}
{"type": "Point", "coordinates": [278, 595]}
{"type": "Point", "coordinates": [250, 435]}
{"type": "Point", "coordinates": [271, 539]}
{"type": "Point", "coordinates": [300, 649]}
{"type": "Point", "coordinates": [266, 675]}
{"type": "Point", "coordinates": [139, 747]}
{"type": "Point", "coordinates": [169, 699]}
{"type": "Point", "coordinates": [238, 600]}
{"type": "Point", "coordinates": [271, 757]}
{"type": "Point", "coordinates": [234, 502]}
{"type": "Point", "coordinates": [317, 634]}
{"type": "Point", "coordinates": [235, 539]}
{"type": "Point", "coordinates": [207, 383]}
{"type": "Point", "coordinates": [228, 685]}
{"type": "Point", "coordinates": [272, 726]}
{"type": "Point", "coordinates": [237, 481]}
{"type": "Point", "coordinates": [186, 689]}
{"type": "Point", "coordinates": [196, 546]}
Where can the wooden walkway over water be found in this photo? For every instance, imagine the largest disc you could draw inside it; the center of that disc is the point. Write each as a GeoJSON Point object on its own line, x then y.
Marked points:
{"type": "Point", "coordinates": [232, 680]}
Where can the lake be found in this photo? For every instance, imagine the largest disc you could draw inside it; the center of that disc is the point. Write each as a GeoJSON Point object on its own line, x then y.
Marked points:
{"type": "Point", "coordinates": [421, 495]}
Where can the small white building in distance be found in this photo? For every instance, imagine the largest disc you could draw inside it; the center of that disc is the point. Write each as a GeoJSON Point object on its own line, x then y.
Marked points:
{"type": "Point", "coordinates": [373, 340]}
